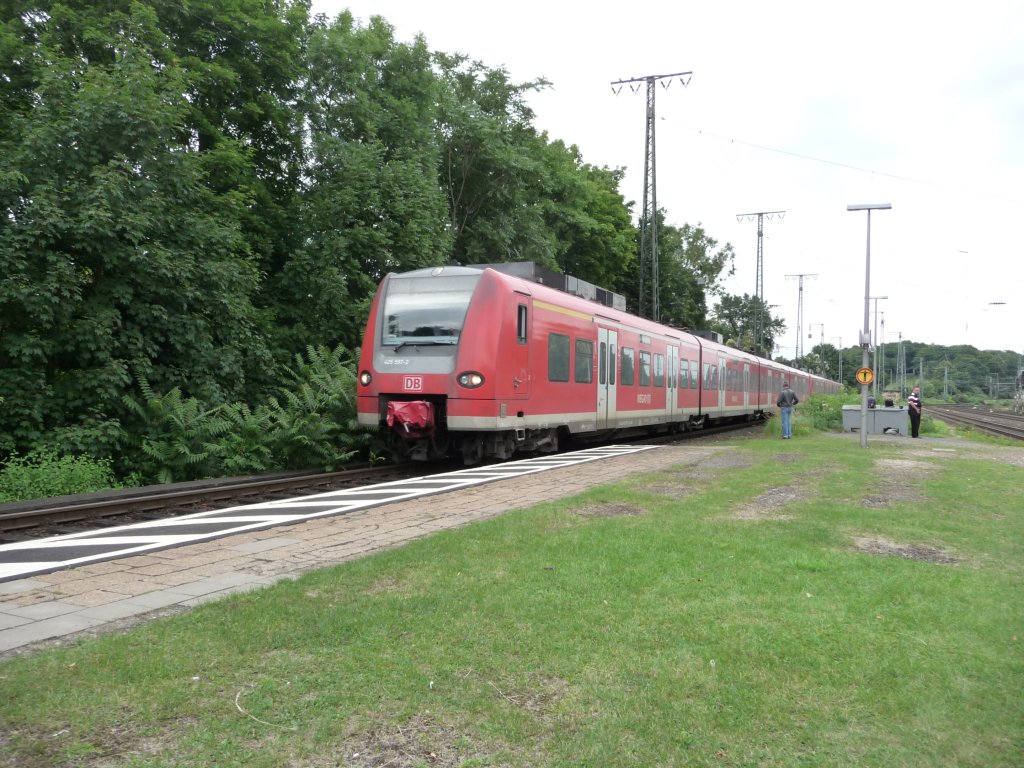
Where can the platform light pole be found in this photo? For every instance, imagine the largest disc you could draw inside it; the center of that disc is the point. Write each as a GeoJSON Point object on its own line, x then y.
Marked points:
{"type": "Point", "coordinates": [840, 340]}
{"type": "Point", "coordinates": [821, 342]}
{"type": "Point", "coordinates": [865, 336]}
{"type": "Point", "coordinates": [874, 344]}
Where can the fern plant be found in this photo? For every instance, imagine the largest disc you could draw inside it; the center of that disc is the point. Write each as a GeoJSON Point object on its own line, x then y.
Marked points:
{"type": "Point", "coordinates": [174, 435]}
{"type": "Point", "coordinates": [315, 414]}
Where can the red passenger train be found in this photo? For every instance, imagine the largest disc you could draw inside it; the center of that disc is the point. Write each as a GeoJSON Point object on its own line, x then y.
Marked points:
{"type": "Point", "coordinates": [473, 361]}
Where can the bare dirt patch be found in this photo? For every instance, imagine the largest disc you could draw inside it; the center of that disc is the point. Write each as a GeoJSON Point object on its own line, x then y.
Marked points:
{"type": "Point", "coordinates": [691, 474]}
{"type": "Point", "coordinates": [921, 552]}
{"type": "Point", "coordinates": [785, 458]}
{"type": "Point", "coordinates": [386, 585]}
{"type": "Point", "coordinates": [608, 510]}
{"type": "Point", "coordinates": [674, 491]}
{"type": "Point", "coordinates": [727, 460]}
{"type": "Point", "coordinates": [425, 740]}
{"type": "Point", "coordinates": [766, 505]}
{"type": "Point", "coordinates": [899, 480]}
{"type": "Point", "coordinates": [420, 740]}
{"type": "Point", "coordinates": [537, 697]}
{"type": "Point", "coordinates": [110, 746]}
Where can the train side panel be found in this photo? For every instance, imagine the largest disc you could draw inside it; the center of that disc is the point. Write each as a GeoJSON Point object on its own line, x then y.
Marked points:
{"type": "Point", "coordinates": [458, 358]}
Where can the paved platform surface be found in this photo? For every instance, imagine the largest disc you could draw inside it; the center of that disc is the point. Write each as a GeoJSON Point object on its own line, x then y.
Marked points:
{"type": "Point", "coordinates": [25, 559]}
{"type": "Point", "coordinates": [57, 607]}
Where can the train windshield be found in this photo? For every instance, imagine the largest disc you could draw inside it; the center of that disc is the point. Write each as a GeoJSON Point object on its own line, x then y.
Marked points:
{"type": "Point", "coordinates": [426, 310]}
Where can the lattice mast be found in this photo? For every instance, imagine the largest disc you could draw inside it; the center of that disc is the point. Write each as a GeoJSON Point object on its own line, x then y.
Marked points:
{"type": "Point", "coordinates": [799, 351]}
{"type": "Point", "coordinates": [649, 217]}
{"type": "Point", "coordinates": [759, 285]}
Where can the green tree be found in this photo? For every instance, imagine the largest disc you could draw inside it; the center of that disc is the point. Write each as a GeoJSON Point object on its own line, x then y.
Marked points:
{"type": "Point", "coordinates": [748, 322]}
{"type": "Point", "coordinates": [373, 204]}
{"type": "Point", "coordinates": [115, 251]}
{"type": "Point", "coordinates": [245, 65]}
{"type": "Point", "coordinates": [691, 267]}
{"type": "Point", "coordinates": [491, 169]}
{"type": "Point", "coordinates": [593, 237]}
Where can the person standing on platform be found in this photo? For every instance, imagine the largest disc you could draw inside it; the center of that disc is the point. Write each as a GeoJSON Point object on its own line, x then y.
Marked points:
{"type": "Point", "coordinates": [787, 399]}
{"type": "Point", "coordinates": [914, 406]}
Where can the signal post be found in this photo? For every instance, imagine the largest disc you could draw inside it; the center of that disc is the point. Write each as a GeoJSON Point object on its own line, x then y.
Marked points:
{"type": "Point", "coordinates": [865, 336]}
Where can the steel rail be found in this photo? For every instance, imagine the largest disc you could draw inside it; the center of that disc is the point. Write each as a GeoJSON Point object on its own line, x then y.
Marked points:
{"type": "Point", "coordinates": [997, 423]}
{"type": "Point", "coordinates": [66, 509]}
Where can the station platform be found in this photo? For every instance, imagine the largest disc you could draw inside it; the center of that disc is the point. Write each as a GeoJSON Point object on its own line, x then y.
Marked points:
{"type": "Point", "coordinates": [49, 609]}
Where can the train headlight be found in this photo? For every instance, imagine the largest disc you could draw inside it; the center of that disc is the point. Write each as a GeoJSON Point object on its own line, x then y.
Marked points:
{"type": "Point", "coordinates": [365, 378]}
{"type": "Point", "coordinates": [470, 379]}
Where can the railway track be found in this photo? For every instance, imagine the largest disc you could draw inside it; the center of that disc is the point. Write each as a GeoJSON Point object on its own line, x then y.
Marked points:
{"type": "Point", "coordinates": [981, 418]}
{"type": "Point", "coordinates": [72, 514]}
{"type": "Point", "coordinates": [87, 512]}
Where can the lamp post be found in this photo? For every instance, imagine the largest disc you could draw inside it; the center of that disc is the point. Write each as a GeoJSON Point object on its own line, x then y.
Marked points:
{"type": "Point", "coordinates": [865, 336]}
{"type": "Point", "coordinates": [766, 315]}
{"type": "Point", "coordinates": [821, 343]}
{"type": "Point", "coordinates": [874, 342]}
{"type": "Point", "coordinates": [840, 340]}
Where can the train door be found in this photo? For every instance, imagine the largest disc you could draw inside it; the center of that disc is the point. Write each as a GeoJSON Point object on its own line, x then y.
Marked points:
{"type": "Point", "coordinates": [520, 355]}
{"type": "Point", "coordinates": [746, 386]}
{"type": "Point", "coordinates": [723, 375]}
{"type": "Point", "coordinates": [607, 355]}
{"type": "Point", "coordinates": [671, 395]}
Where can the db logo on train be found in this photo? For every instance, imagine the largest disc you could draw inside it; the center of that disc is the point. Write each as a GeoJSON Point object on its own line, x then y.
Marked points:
{"type": "Point", "coordinates": [413, 383]}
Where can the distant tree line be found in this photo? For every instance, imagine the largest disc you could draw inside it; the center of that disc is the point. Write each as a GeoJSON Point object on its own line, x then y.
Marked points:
{"type": "Point", "coordinates": [960, 373]}
{"type": "Point", "coordinates": [198, 199]}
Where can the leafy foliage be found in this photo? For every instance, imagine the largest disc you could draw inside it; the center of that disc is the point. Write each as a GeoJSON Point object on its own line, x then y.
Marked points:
{"type": "Point", "coordinates": [313, 422]}
{"type": "Point", "coordinates": [309, 423]}
{"type": "Point", "coordinates": [373, 204]}
{"type": "Point", "coordinates": [191, 193]}
{"type": "Point", "coordinates": [45, 473]}
{"type": "Point", "coordinates": [116, 252]}
{"type": "Point", "coordinates": [173, 435]}
{"type": "Point", "coordinates": [747, 322]}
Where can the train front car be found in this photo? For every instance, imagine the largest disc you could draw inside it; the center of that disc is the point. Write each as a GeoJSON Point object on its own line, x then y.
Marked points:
{"type": "Point", "coordinates": [442, 347]}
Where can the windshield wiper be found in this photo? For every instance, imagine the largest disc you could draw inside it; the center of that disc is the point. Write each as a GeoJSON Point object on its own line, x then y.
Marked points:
{"type": "Point", "coordinates": [425, 343]}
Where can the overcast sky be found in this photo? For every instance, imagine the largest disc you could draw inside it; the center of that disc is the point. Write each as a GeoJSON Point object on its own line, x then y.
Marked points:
{"type": "Point", "coordinates": [804, 107]}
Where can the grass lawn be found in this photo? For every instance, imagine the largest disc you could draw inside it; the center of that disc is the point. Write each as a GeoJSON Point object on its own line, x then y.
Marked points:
{"type": "Point", "coordinates": [806, 603]}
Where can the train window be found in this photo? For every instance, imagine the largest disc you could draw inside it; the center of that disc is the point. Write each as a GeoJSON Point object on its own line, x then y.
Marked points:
{"type": "Point", "coordinates": [659, 370]}
{"type": "Point", "coordinates": [684, 373]}
{"type": "Point", "coordinates": [602, 362]}
{"type": "Point", "coordinates": [645, 369]}
{"type": "Point", "coordinates": [627, 367]}
{"type": "Point", "coordinates": [714, 377]}
{"type": "Point", "coordinates": [521, 325]}
{"type": "Point", "coordinates": [558, 357]}
{"type": "Point", "coordinates": [583, 372]}
{"type": "Point", "coordinates": [611, 364]}
{"type": "Point", "coordinates": [426, 310]}
{"type": "Point", "coordinates": [694, 375]}
{"type": "Point", "coordinates": [671, 373]}
{"type": "Point", "coordinates": [707, 375]}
